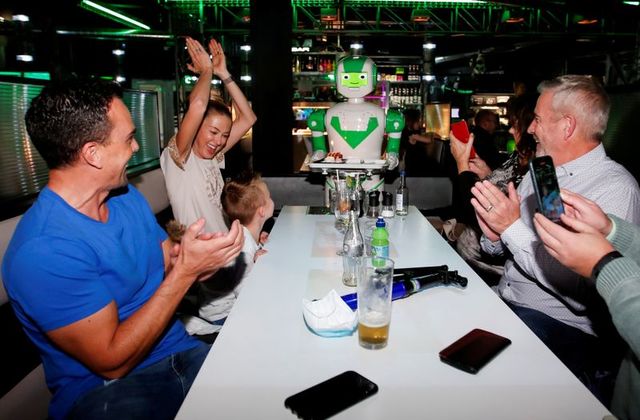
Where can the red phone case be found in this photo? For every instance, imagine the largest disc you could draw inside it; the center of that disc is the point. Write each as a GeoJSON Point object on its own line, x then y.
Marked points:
{"type": "Point", "coordinates": [461, 131]}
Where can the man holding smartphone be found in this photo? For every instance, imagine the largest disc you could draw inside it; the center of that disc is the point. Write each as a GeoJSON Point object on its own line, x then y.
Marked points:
{"type": "Point", "coordinates": [571, 118]}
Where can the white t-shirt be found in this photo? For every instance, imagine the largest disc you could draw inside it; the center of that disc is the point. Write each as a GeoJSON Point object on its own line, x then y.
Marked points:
{"type": "Point", "coordinates": [214, 307]}
{"type": "Point", "coordinates": [194, 189]}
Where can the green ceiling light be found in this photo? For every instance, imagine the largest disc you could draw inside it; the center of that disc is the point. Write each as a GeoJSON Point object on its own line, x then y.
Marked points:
{"type": "Point", "coordinates": [632, 3]}
{"type": "Point", "coordinates": [112, 14]}
{"type": "Point", "coordinates": [420, 15]}
{"type": "Point", "coordinates": [509, 16]}
{"type": "Point", "coordinates": [328, 14]}
{"type": "Point", "coordinates": [246, 15]}
{"type": "Point", "coordinates": [585, 20]}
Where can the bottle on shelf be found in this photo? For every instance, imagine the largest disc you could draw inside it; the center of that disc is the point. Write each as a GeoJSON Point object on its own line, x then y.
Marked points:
{"type": "Point", "coordinates": [402, 197]}
{"type": "Point", "coordinates": [352, 251]}
{"type": "Point", "coordinates": [380, 240]}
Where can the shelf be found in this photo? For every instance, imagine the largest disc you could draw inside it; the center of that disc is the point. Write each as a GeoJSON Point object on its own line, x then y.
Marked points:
{"type": "Point", "coordinates": [311, 73]}
{"type": "Point", "coordinates": [404, 82]}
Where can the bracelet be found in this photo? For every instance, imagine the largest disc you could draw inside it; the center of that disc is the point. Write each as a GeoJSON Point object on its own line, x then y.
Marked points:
{"type": "Point", "coordinates": [606, 259]}
{"type": "Point", "coordinates": [228, 80]}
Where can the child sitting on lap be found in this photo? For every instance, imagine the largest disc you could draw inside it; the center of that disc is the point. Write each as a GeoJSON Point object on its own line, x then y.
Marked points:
{"type": "Point", "coordinates": [247, 199]}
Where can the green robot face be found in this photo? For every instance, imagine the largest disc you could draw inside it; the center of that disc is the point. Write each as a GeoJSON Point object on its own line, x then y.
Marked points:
{"type": "Point", "coordinates": [355, 76]}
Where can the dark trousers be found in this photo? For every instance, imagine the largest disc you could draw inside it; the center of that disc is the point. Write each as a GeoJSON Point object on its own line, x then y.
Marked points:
{"type": "Point", "coordinates": [155, 392]}
{"type": "Point", "coordinates": [591, 359]}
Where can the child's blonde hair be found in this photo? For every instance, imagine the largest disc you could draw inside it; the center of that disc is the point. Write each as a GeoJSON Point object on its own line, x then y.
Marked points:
{"type": "Point", "coordinates": [241, 197]}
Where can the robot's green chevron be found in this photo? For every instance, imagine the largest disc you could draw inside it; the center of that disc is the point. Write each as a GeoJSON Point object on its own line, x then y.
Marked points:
{"type": "Point", "coordinates": [354, 138]}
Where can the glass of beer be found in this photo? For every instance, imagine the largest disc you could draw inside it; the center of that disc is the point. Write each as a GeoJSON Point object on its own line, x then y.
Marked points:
{"type": "Point", "coordinates": [374, 303]}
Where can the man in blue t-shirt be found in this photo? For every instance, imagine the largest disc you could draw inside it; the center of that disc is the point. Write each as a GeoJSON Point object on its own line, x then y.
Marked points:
{"type": "Point", "coordinates": [93, 279]}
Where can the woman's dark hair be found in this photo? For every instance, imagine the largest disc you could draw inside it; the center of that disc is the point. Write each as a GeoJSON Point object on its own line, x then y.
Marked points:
{"type": "Point", "coordinates": [520, 110]}
{"type": "Point", "coordinates": [66, 115]}
{"type": "Point", "coordinates": [216, 106]}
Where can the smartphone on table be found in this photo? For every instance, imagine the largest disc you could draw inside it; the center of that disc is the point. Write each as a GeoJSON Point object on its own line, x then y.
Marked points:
{"type": "Point", "coordinates": [545, 184]}
{"type": "Point", "coordinates": [461, 131]}
{"type": "Point", "coordinates": [331, 396]}
{"type": "Point", "coordinates": [474, 350]}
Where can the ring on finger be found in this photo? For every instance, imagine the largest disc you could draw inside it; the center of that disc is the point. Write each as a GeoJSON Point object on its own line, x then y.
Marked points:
{"type": "Point", "coordinates": [488, 209]}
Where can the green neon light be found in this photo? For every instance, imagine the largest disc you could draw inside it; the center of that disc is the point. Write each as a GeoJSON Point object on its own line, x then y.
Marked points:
{"type": "Point", "coordinates": [632, 3]}
{"type": "Point", "coordinates": [38, 75]}
{"type": "Point", "coordinates": [106, 12]}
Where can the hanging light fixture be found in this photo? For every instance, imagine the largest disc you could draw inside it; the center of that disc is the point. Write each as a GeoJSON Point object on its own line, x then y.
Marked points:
{"type": "Point", "coordinates": [328, 14]}
{"type": "Point", "coordinates": [420, 16]}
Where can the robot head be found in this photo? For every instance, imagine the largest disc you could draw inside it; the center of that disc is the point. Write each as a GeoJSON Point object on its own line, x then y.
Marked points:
{"type": "Point", "coordinates": [356, 76]}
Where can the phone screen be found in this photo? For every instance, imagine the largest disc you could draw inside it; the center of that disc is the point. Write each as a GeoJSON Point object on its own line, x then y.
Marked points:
{"type": "Point", "coordinates": [545, 183]}
{"type": "Point", "coordinates": [474, 350]}
{"type": "Point", "coordinates": [331, 396]}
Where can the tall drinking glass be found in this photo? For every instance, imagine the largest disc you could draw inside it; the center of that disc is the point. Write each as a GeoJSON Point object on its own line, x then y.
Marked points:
{"type": "Point", "coordinates": [374, 303]}
{"type": "Point", "coordinates": [343, 205]}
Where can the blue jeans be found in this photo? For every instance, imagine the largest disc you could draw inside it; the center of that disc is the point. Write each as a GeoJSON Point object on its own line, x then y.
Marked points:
{"type": "Point", "coordinates": [591, 359]}
{"type": "Point", "coordinates": [155, 392]}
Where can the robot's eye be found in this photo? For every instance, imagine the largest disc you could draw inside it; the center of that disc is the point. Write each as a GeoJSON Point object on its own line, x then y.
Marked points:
{"type": "Point", "coordinates": [345, 77]}
{"type": "Point", "coordinates": [363, 76]}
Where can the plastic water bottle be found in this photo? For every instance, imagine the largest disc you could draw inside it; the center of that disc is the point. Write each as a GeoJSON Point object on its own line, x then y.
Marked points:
{"type": "Point", "coordinates": [353, 251]}
{"type": "Point", "coordinates": [402, 197]}
{"type": "Point", "coordinates": [380, 240]}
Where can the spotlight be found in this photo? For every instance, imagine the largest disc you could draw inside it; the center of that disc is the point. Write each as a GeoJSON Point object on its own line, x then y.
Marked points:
{"type": "Point", "coordinates": [429, 46]}
{"type": "Point", "coordinates": [27, 58]}
{"type": "Point", "coordinates": [117, 52]}
{"type": "Point", "coordinates": [20, 18]}
{"type": "Point", "coordinates": [246, 48]}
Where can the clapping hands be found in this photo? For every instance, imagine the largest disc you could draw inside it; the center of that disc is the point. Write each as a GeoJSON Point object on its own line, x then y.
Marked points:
{"type": "Point", "coordinates": [200, 60]}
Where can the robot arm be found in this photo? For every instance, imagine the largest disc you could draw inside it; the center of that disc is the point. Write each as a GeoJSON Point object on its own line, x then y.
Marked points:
{"type": "Point", "coordinates": [317, 127]}
{"type": "Point", "coordinates": [394, 126]}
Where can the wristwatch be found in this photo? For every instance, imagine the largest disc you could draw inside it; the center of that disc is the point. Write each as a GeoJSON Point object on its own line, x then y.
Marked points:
{"type": "Point", "coordinates": [606, 259]}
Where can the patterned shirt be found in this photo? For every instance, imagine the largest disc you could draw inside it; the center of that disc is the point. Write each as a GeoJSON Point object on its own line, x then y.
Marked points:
{"type": "Point", "coordinates": [194, 187]}
{"type": "Point", "coordinates": [534, 279]}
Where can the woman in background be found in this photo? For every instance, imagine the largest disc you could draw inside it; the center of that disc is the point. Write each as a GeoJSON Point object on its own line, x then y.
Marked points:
{"type": "Point", "coordinates": [521, 114]}
{"type": "Point", "coordinates": [192, 160]}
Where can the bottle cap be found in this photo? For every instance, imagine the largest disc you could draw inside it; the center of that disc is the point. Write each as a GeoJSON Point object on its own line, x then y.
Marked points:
{"type": "Point", "coordinates": [380, 222]}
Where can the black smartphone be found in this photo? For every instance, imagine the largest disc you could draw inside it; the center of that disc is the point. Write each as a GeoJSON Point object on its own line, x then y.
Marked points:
{"type": "Point", "coordinates": [331, 396]}
{"type": "Point", "coordinates": [545, 183]}
{"type": "Point", "coordinates": [474, 350]}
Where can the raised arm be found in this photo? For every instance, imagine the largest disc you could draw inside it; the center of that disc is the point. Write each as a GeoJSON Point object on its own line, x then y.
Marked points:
{"type": "Point", "coordinates": [111, 347]}
{"type": "Point", "coordinates": [198, 99]}
{"type": "Point", "coordinates": [245, 118]}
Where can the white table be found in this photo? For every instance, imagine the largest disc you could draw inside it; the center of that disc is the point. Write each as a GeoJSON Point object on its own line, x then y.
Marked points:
{"type": "Point", "coordinates": [265, 353]}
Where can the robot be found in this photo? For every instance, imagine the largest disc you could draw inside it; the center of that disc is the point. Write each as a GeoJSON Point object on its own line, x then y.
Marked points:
{"type": "Point", "coordinates": [356, 128]}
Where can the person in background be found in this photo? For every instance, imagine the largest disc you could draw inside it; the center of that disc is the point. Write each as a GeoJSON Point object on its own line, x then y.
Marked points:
{"type": "Point", "coordinates": [246, 199]}
{"type": "Point", "coordinates": [192, 160]}
{"type": "Point", "coordinates": [570, 120]}
{"type": "Point", "coordinates": [520, 111]}
{"type": "Point", "coordinates": [92, 277]}
{"type": "Point", "coordinates": [415, 146]}
{"type": "Point", "coordinates": [604, 250]}
{"type": "Point", "coordinates": [484, 130]}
